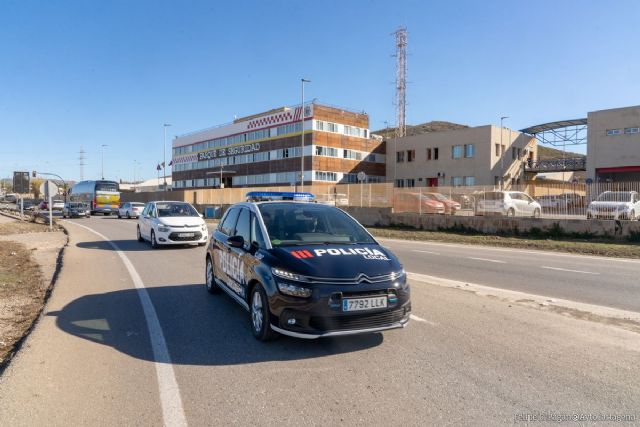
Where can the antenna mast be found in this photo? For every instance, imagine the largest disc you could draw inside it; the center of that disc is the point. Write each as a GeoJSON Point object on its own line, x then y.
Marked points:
{"type": "Point", "coordinates": [401, 81]}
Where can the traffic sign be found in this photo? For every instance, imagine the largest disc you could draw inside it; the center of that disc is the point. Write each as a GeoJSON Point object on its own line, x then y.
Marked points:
{"type": "Point", "coordinates": [49, 189]}
{"type": "Point", "coordinates": [362, 176]}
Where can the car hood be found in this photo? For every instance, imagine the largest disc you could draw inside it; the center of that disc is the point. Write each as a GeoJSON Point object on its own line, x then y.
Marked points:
{"type": "Point", "coordinates": [337, 261]}
{"type": "Point", "coordinates": [181, 221]}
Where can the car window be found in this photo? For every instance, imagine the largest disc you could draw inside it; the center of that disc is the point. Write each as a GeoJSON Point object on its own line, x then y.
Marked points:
{"type": "Point", "coordinates": [152, 211]}
{"type": "Point", "coordinates": [256, 232]}
{"type": "Point", "coordinates": [145, 211]}
{"type": "Point", "coordinates": [243, 226]}
{"type": "Point", "coordinates": [228, 224]}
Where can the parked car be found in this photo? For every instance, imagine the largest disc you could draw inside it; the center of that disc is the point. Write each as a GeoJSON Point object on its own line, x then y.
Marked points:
{"type": "Point", "coordinates": [615, 205]}
{"type": "Point", "coordinates": [130, 210]}
{"type": "Point", "coordinates": [56, 205]}
{"type": "Point", "coordinates": [171, 223]}
{"type": "Point", "coordinates": [450, 206]}
{"type": "Point", "coordinates": [508, 203]}
{"type": "Point", "coordinates": [334, 199]}
{"type": "Point", "coordinates": [414, 202]}
{"type": "Point", "coordinates": [75, 210]}
{"type": "Point", "coordinates": [10, 198]}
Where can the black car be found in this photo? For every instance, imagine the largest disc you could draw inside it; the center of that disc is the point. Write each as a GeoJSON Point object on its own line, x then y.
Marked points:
{"type": "Point", "coordinates": [75, 210]}
{"type": "Point", "coordinates": [306, 270]}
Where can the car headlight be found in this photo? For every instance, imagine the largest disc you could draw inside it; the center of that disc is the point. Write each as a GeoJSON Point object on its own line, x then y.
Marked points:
{"type": "Point", "coordinates": [284, 274]}
{"type": "Point", "coordinates": [163, 228]}
{"type": "Point", "coordinates": [204, 227]}
{"type": "Point", "coordinates": [400, 279]}
{"type": "Point", "coordinates": [294, 290]}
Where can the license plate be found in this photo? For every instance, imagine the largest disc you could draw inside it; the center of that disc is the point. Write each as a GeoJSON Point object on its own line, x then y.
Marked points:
{"type": "Point", "coordinates": [358, 304]}
{"type": "Point", "coordinates": [186, 234]}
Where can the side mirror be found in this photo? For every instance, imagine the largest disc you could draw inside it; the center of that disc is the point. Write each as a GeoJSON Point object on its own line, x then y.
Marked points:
{"type": "Point", "coordinates": [201, 215]}
{"type": "Point", "coordinates": [236, 241]}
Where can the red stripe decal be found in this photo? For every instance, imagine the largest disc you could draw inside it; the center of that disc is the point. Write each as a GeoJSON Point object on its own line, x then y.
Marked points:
{"type": "Point", "coordinates": [309, 254]}
{"type": "Point", "coordinates": [295, 254]}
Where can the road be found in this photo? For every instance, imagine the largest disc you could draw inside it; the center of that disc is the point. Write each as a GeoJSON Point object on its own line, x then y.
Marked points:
{"type": "Point", "coordinates": [133, 338]}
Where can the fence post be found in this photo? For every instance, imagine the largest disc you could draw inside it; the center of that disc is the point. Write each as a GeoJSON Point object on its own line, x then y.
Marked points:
{"type": "Point", "coordinates": [420, 202]}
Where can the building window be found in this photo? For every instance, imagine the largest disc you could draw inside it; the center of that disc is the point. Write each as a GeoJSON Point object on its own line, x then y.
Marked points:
{"type": "Point", "coordinates": [411, 155]}
{"type": "Point", "coordinates": [400, 183]}
{"type": "Point", "coordinates": [399, 156]}
{"type": "Point", "coordinates": [514, 153]}
{"type": "Point", "coordinates": [456, 181]}
{"type": "Point", "coordinates": [456, 151]}
{"type": "Point", "coordinates": [469, 181]}
{"type": "Point", "coordinates": [469, 151]}
{"type": "Point", "coordinates": [435, 154]}
{"type": "Point", "coordinates": [613, 132]}
{"type": "Point", "coordinates": [326, 176]}
{"type": "Point", "coordinates": [496, 180]}
{"type": "Point", "coordinates": [326, 151]}
{"type": "Point", "coordinates": [498, 150]}
{"type": "Point", "coordinates": [631, 130]}
{"type": "Point", "coordinates": [411, 182]}
{"type": "Point", "coordinates": [428, 153]}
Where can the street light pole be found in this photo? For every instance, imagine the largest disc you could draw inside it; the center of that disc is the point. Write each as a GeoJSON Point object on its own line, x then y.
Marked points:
{"type": "Point", "coordinates": [102, 156]}
{"type": "Point", "coordinates": [302, 82]}
{"type": "Point", "coordinates": [164, 154]}
{"type": "Point", "coordinates": [502, 153]}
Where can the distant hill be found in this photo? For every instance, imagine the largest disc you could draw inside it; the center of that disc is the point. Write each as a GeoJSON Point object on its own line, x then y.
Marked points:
{"type": "Point", "coordinates": [433, 126]}
{"type": "Point", "coordinates": [548, 153]}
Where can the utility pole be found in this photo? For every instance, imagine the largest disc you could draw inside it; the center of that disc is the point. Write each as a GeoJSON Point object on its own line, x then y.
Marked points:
{"type": "Point", "coordinates": [302, 82]}
{"type": "Point", "coordinates": [102, 150]}
{"type": "Point", "coordinates": [502, 153]}
{"type": "Point", "coordinates": [82, 163]}
{"type": "Point", "coordinates": [401, 81]}
{"type": "Point", "coordinates": [164, 154]}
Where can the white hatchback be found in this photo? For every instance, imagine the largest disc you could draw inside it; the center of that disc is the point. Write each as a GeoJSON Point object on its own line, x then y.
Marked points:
{"type": "Point", "coordinates": [171, 223]}
{"type": "Point", "coordinates": [509, 203]}
{"type": "Point", "coordinates": [130, 210]}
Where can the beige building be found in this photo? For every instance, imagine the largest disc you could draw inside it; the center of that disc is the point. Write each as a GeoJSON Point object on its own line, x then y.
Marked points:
{"type": "Point", "coordinates": [461, 157]}
{"type": "Point", "coordinates": [613, 144]}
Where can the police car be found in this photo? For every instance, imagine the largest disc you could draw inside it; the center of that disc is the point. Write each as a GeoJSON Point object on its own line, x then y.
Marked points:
{"type": "Point", "coordinates": [306, 270]}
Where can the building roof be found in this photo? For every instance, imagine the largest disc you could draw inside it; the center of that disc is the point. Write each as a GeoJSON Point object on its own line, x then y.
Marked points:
{"type": "Point", "coordinates": [532, 130]}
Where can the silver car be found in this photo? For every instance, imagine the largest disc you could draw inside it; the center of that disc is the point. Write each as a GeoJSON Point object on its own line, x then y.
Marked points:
{"type": "Point", "coordinates": [130, 210]}
{"type": "Point", "coordinates": [615, 205]}
{"type": "Point", "coordinates": [507, 203]}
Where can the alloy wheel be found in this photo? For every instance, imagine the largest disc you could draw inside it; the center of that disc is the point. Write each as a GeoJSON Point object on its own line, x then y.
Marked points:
{"type": "Point", "coordinates": [256, 311]}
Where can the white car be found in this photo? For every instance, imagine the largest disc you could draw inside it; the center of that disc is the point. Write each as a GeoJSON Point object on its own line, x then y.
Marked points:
{"type": "Point", "coordinates": [130, 210]}
{"type": "Point", "coordinates": [508, 203]}
{"type": "Point", "coordinates": [171, 223]}
{"type": "Point", "coordinates": [615, 205]}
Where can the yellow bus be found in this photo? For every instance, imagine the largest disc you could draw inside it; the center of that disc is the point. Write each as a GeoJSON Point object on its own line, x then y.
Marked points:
{"type": "Point", "coordinates": [101, 196]}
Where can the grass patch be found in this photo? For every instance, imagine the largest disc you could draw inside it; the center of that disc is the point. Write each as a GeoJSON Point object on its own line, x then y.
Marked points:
{"type": "Point", "coordinates": [533, 239]}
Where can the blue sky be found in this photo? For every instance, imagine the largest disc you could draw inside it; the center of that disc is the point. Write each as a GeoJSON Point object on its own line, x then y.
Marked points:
{"type": "Point", "coordinates": [85, 73]}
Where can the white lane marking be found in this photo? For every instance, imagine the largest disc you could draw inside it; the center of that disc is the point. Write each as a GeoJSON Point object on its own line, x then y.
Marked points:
{"type": "Point", "coordinates": [497, 261]}
{"type": "Point", "coordinates": [569, 270]}
{"type": "Point", "coordinates": [483, 290]}
{"type": "Point", "coordinates": [172, 410]}
{"type": "Point", "coordinates": [512, 250]}
{"type": "Point", "coordinates": [425, 252]}
{"type": "Point", "coordinates": [420, 319]}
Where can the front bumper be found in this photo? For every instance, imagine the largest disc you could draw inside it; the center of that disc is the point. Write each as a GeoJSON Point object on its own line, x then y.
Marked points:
{"type": "Point", "coordinates": [610, 214]}
{"type": "Point", "coordinates": [321, 315]}
{"type": "Point", "coordinates": [172, 237]}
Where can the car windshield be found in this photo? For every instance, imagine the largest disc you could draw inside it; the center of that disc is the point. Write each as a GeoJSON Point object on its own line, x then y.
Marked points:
{"type": "Point", "coordinates": [495, 195]}
{"type": "Point", "coordinates": [76, 205]}
{"type": "Point", "coordinates": [306, 223]}
{"type": "Point", "coordinates": [137, 205]}
{"type": "Point", "coordinates": [438, 196]}
{"type": "Point", "coordinates": [175, 209]}
{"type": "Point", "coordinates": [614, 196]}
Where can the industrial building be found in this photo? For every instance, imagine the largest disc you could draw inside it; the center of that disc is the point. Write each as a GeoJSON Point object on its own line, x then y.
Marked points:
{"type": "Point", "coordinates": [613, 145]}
{"type": "Point", "coordinates": [265, 150]}
{"type": "Point", "coordinates": [480, 155]}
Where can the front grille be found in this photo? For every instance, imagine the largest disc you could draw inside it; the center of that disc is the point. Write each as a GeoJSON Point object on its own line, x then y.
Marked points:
{"type": "Point", "coordinates": [176, 238]}
{"type": "Point", "coordinates": [357, 321]}
{"type": "Point", "coordinates": [365, 294]}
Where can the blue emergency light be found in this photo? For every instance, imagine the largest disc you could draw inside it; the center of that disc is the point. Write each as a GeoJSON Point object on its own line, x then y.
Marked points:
{"type": "Point", "coordinates": [266, 196]}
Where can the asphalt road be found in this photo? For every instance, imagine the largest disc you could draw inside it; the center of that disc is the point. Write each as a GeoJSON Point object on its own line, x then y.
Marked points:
{"type": "Point", "coordinates": [153, 347]}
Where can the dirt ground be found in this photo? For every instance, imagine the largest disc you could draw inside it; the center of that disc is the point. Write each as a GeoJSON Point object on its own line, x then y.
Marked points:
{"type": "Point", "coordinates": [22, 292]}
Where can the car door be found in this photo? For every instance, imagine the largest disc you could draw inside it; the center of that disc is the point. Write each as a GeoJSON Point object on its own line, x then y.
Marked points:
{"type": "Point", "coordinates": [527, 204]}
{"type": "Point", "coordinates": [240, 258]}
{"type": "Point", "coordinates": [145, 222]}
{"type": "Point", "coordinates": [221, 250]}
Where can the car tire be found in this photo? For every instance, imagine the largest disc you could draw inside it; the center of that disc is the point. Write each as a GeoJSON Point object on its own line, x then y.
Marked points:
{"type": "Point", "coordinates": [632, 215]}
{"type": "Point", "coordinates": [511, 213]}
{"type": "Point", "coordinates": [589, 216]}
{"type": "Point", "coordinates": [119, 217]}
{"type": "Point", "coordinates": [536, 213]}
{"type": "Point", "coordinates": [260, 316]}
{"type": "Point", "coordinates": [209, 278]}
{"type": "Point", "coordinates": [154, 242]}
{"type": "Point", "coordinates": [128, 216]}
{"type": "Point", "coordinates": [140, 238]}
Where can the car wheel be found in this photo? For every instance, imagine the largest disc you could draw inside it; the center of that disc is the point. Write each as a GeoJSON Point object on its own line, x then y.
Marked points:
{"type": "Point", "coordinates": [260, 315]}
{"type": "Point", "coordinates": [140, 239]}
{"type": "Point", "coordinates": [536, 213]}
{"type": "Point", "coordinates": [154, 243]}
{"type": "Point", "coordinates": [511, 213]}
{"type": "Point", "coordinates": [589, 215]}
{"type": "Point", "coordinates": [128, 216]}
{"type": "Point", "coordinates": [210, 282]}
{"type": "Point", "coordinates": [118, 215]}
{"type": "Point", "coordinates": [632, 216]}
